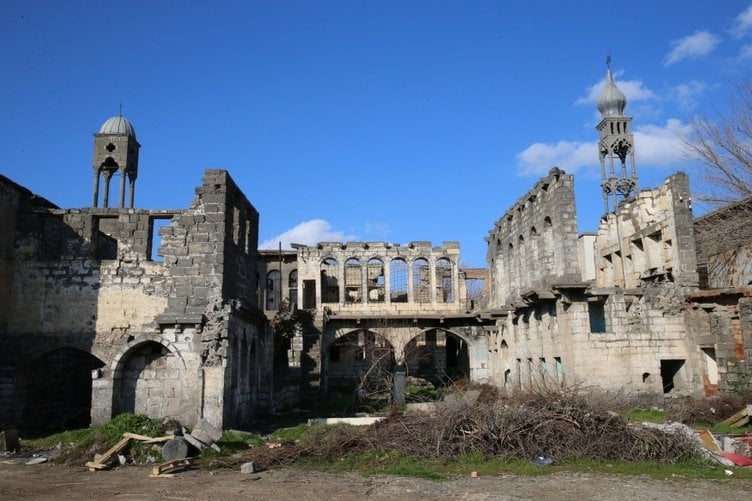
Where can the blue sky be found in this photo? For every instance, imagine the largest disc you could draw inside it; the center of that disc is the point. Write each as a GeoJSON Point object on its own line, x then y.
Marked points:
{"type": "Point", "coordinates": [368, 120]}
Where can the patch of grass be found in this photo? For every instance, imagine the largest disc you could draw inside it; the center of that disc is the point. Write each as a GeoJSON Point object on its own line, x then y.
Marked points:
{"type": "Point", "coordinates": [233, 442]}
{"type": "Point", "coordinates": [293, 434]}
{"type": "Point", "coordinates": [82, 437]}
{"type": "Point", "coordinates": [393, 463]}
{"type": "Point", "coordinates": [636, 415]}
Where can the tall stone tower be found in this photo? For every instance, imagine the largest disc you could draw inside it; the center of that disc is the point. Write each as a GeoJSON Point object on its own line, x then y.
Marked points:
{"type": "Point", "coordinates": [115, 151]}
{"type": "Point", "coordinates": [616, 146]}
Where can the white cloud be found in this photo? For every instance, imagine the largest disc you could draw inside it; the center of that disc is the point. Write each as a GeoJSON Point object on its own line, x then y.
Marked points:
{"type": "Point", "coordinates": [700, 43]}
{"type": "Point", "coordinates": [634, 90]}
{"type": "Point", "coordinates": [661, 145]}
{"type": "Point", "coordinates": [685, 94]}
{"type": "Point", "coordinates": [307, 233]}
{"type": "Point", "coordinates": [655, 146]}
{"type": "Point", "coordinates": [570, 156]}
{"type": "Point", "coordinates": [742, 23]}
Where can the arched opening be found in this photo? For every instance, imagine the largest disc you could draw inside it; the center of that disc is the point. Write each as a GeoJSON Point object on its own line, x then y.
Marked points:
{"type": "Point", "coordinates": [421, 280]}
{"type": "Point", "coordinates": [436, 358]}
{"type": "Point", "coordinates": [55, 390]}
{"type": "Point", "coordinates": [398, 280]}
{"type": "Point", "coordinates": [361, 361]}
{"type": "Point", "coordinates": [148, 380]}
{"type": "Point", "coordinates": [329, 281]}
{"type": "Point", "coordinates": [353, 281]}
{"type": "Point", "coordinates": [375, 271]}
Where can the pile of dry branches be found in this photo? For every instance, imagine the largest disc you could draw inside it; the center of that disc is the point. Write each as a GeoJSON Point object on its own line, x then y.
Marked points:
{"type": "Point", "coordinates": [552, 424]}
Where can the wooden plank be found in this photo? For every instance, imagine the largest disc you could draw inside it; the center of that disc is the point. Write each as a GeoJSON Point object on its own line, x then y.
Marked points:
{"type": "Point", "coordinates": [157, 440]}
{"type": "Point", "coordinates": [738, 416]}
{"type": "Point", "coordinates": [161, 475]}
{"type": "Point", "coordinates": [135, 436]}
{"type": "Point", "coordinates": [105, 458]}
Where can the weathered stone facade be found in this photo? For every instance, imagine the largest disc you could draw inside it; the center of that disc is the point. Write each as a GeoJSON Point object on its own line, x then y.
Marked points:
{"type": "Point", "coordinates": [91, 326]}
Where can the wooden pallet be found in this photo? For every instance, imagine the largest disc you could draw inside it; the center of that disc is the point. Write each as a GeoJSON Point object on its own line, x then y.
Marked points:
{"type": "Point", "coordinates": [168, 469]}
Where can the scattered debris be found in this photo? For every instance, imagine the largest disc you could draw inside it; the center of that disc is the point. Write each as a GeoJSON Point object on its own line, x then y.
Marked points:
{"type": "Point", "coordinates": [37, 460]}
{"type": "Point", "coordinates": [741, 418]}
{"type": "Point", "coordinates": [248, 467]}
{"type": "Point", "coordinates": [104, 461]}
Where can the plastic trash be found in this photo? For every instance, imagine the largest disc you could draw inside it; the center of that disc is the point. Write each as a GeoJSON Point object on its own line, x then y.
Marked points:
{"type": "Point", "coordinates": [543, 461]}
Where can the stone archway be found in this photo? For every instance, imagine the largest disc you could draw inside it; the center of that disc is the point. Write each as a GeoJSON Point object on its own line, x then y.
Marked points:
{"type": "Point", "coordinates": [361, 359]}
{"type": "Point", "coordinates": [149, 379]}
{"type": "Point", "coordinates": [55, 390]}
{"type": "Point", "coordinates": [437, 356]}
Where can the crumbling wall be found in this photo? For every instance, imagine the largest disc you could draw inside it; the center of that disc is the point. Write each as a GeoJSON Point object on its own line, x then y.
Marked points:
{"type": "Point", "coordinates": [534, 244]}
{"type": "Point", "coordinates": [649, 239]}
{"type": "Point", "coordinates": [720, 323]}
{"type": "Point", "coordinates": [724, 246]}
{"type": "Point", "coordinates": [381, 278]}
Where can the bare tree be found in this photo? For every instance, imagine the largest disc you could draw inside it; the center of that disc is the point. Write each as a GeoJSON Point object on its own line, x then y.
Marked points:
{"type": "Point", "coordinates": [724, 148]}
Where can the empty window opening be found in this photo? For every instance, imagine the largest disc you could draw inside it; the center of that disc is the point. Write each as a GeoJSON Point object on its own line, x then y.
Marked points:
{"type": "Point", "coordinates": [292, 289]}
{"type": "Point", "coordinates": [105, 245]}
{"type": "Point", "coordinates": [273, 290]}
{"type": "Point", "coordinates": [646, 378]}
{"type": "Point", "coordinates": [542, 367]}
{"type": "Point", "coordinates": [670, 374]}
{"type": "Point", "coordinates": [559, 370]}
{"type": "Point", "coordinates": [329, 281]}
{"type": "Point", "coordinates": [375, 280]}
{"type": "Point", "coordinates": [444, 280]}
{"type": "Point", "coordinates": [711, 378]}
{"type": "Point", "coordinates": [353, 281]}
{"type": "Point", "coordinates": [597, 317]}
{"type": "Point", "coordinates": [475, 288]}
{"type": "Point", "coordinates": [421, 281]}
{"type": "Point", "coordinates": [309, 294]}
{"type": "Point", "coordinates": [155, 239]}
{"type": "Point", "coordinates": [398, 281]}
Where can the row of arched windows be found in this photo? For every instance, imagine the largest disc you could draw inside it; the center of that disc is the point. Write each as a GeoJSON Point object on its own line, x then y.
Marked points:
{"type": "Point", "coordinates": [373, 281]}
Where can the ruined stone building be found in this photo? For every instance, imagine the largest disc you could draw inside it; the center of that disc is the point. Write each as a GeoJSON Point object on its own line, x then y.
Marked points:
{"type": "Point", "coordinates": [96, 320]}
{"type": "Point", "coordinates": [92, 325]}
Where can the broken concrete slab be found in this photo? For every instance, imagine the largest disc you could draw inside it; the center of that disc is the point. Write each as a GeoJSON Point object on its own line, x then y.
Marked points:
{"type": "Point", "coordinates": [249, 467]}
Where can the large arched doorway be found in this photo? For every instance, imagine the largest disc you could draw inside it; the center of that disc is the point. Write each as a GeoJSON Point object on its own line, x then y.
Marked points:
{"type": "Point", "coordinates": [361, 361]}
{"type": "Point", "coordinates": [148, 380]}
{"type": "Point", "coordinates": [438, 357]}
{"type": "Point", "coordinates": [56, 390]}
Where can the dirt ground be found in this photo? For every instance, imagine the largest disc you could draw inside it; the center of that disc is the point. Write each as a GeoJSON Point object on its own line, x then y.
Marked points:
{"type": "Point", "coordinates": [49, 481]}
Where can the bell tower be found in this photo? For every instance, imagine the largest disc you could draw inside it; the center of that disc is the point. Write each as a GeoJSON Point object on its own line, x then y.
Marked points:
{"type": "Point", "coordinates": [615, 146]}
{"type": "Point", "coordinates": [115, 152]}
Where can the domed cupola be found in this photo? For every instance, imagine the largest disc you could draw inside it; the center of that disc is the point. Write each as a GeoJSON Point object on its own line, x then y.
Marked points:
{"type": "Point", "coordinates": [118, 125]}
{"type": "Point", "coordinates": [612, 101]}
{"type": "Point", "coordinates": [115, 152]}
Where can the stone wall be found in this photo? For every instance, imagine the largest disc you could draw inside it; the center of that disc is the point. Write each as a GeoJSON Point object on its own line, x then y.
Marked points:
{"type": "Point", "coordinates": [534, 244]}
{"type": "Point", "coordinates": [724, 246]}
{"type": "Point", "coordinates": [649, 239]}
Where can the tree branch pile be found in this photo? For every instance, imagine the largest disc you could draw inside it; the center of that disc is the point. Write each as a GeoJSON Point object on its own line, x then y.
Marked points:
{"type": "Point", "coordinates": [550, 424]}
